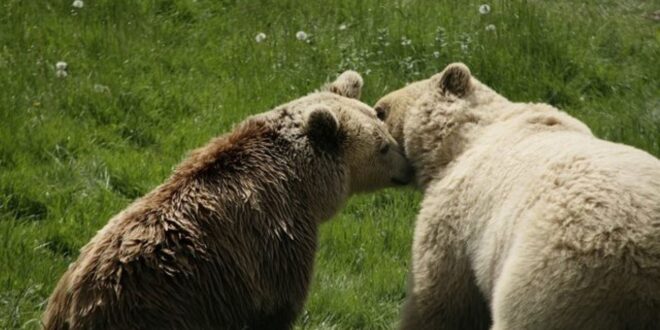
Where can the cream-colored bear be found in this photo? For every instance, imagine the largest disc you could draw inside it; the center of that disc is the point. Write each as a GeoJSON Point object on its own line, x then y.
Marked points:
{"type": "Point", "coordinates": [228, 241]}
{"type": "Point", "coordinates": [528, 220]}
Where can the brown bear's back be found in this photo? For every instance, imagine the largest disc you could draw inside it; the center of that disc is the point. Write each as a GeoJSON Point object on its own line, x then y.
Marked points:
{"type": "Point", "coordinates": [228, 241]}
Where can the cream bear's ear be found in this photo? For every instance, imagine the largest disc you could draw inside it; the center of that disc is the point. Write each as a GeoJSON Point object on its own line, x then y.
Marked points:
{"type": "Point", "coordinates": [348, 84]}
{"type": "Point", "coordinates": [456, 79]}
{"type": "Point", "coordinates": [322, 129]}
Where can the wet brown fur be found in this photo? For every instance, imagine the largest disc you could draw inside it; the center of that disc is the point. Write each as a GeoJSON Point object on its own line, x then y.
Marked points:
{"type": "Point", "coordinates": [227, 241]}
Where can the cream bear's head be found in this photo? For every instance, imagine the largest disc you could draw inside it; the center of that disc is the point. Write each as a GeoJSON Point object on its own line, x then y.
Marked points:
{"type": "Point", "coordinates": [433, 119]}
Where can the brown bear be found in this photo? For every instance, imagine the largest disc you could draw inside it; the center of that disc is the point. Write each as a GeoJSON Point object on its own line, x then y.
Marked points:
{"type": "Point", "coordinates": [228, 241]}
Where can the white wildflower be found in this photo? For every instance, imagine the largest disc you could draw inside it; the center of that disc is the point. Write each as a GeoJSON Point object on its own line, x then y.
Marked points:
{"type": "Point", "coordinates": [436, 54]}
{"type": "Point", "coordinates": [484, 9]}
{"type": "Point", "coordinates": [61, 66]}
{"type": "Point", "coordinates": [405, 41]}
{"type": "Point", "coordinates": [655, 114]}
{"type": "Point", "coordinates": [78, 4]}
{"type": "Point", "coordinates": [342, 27]}
{"type": "Point", "coordinates": [61, 74]}
{"type": "Point", "coordinates": [491, 27]}
{"type": "Point", "coordinates": [101, 88]}
{"type": "Point", "coordinates": [301, 35]}
{"type": "Point", "coordinates": [260, 37]}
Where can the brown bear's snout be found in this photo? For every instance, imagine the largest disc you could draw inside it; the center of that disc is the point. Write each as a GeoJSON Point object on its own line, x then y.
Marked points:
{"type": "Point", "coordinates": [406, 175]}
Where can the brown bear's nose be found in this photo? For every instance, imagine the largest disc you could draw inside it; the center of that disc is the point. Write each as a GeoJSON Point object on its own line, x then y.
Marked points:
{"type": "Point", "coordinates": [407, 176]}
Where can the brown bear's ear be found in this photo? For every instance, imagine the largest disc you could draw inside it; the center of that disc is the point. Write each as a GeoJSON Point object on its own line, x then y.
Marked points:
{"type": "Point", "coordinates": [323, 129]}
{"type": "Point", "coordinates": [456, 79]}
{"type": "Point", "coordinates": [348, 84]}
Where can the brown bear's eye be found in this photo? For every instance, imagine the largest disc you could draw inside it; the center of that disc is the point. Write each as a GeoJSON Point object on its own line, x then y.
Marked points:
{"type": "Point", "coordinates": [384, 149]}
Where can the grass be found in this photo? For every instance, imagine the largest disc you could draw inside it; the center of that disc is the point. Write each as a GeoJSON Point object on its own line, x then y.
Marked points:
{"type": "Point", "coordinates": [150, 80]}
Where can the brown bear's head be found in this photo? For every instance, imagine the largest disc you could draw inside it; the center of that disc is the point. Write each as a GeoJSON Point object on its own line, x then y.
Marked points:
{"type": "Point", "coordinates": [338, 122]}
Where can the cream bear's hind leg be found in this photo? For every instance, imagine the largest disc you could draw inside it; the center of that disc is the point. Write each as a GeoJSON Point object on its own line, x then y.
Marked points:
{"type": "Point", "coordinates": [543, 289]}
{"type": "Point", "coordinates": [442, 292]}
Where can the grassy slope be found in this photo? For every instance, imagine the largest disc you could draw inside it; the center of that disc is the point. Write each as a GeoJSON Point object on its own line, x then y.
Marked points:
{"type": "Point", "coordinates": [148, 82]}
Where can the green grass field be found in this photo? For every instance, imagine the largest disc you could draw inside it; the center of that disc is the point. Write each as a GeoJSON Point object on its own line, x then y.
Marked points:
{"type": "Point", "coordinates": [150, 80]}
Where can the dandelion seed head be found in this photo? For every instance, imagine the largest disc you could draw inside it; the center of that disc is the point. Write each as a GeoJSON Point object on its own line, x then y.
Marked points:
{"type": "Point", "coordinates": [78, 4]}
{"type": "Point", "coordinates": [99, 88]}
{"type": "Point", "coordinates": [342, 27]}
{"type": "Point", "coordinates": [655, 114]}
{"type": "Point", "coordinates": [405, 41]}
{"type": "Point", "coordinates": [436, 54]}
{"type": "Point", "coordinates": [490, 27]}
{"type": "Point", "coordinates": [61, 66]}
{"type": "Point", "coordinates": [484, 9]}
{"type": "Point", "coordinates": [260, 37]}
{"type": "Point", "coordinates": [301, 35]}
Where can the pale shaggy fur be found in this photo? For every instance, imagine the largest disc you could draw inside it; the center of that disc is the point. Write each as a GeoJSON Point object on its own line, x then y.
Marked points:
{"type": "Point", "coordinates": [348, 84]}
{"type": "Point", "coordinates": [228, 241]}
{"type": "Point", "coordinates": [528, 220]}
